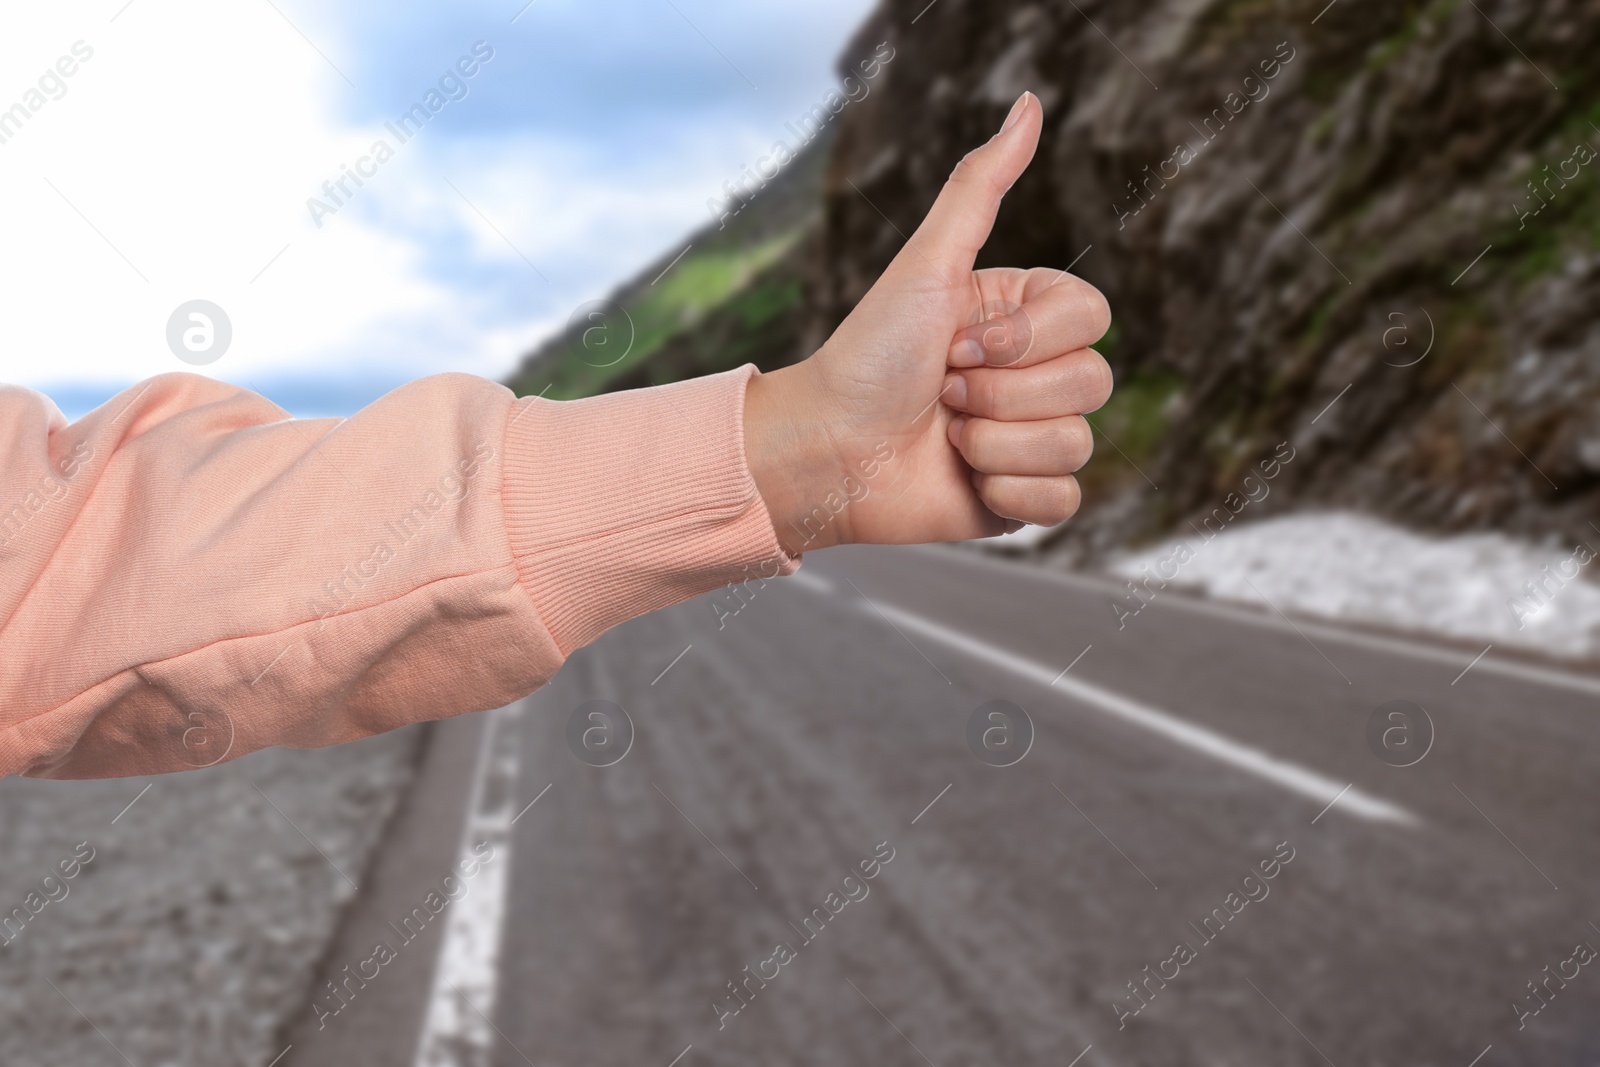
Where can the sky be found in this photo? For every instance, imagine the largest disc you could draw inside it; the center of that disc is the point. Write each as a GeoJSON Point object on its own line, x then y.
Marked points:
{"type": "Point", "coordinates": [179, 159]}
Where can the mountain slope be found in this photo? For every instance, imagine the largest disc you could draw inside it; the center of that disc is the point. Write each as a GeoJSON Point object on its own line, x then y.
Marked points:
{"type": "Point", "coordinates": [1323, 227]}
{"type": "Point", "coordinates": [734, 296]}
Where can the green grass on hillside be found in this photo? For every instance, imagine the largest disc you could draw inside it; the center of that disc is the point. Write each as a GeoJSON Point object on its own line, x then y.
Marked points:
{"type": "Point", "coordinates": [700, 283]}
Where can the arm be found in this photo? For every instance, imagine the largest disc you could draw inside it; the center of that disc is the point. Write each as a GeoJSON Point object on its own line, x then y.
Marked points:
{"type": "Point", "coordinates": [190, 575]}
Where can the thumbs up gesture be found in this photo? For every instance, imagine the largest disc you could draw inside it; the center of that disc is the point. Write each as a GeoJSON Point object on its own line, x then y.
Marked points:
{"type": "Point", "coordinates": [949, 404]}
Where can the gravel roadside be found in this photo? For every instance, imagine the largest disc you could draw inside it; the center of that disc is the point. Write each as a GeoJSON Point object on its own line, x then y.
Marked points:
{"type": "Point", "coordinates": [176, 921]}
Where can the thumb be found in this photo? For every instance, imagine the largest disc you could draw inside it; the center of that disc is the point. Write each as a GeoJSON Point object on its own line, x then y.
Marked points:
{"type": "Point", "coordinates": [960, 220]}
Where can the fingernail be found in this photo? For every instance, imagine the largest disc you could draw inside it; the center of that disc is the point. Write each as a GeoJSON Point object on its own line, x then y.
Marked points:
{"type": "Point", "coordinates": [1016, 112]}
{"type": "Point", "coordinates": [966, 353]}
{"type": "Point", "coordinates": [954, 432]}
{"type": "Point", "coordinates": [955, 391]}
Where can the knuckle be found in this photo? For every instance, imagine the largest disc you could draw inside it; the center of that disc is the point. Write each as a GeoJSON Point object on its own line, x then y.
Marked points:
{"type": "Point", "coordinates": [966, 171]}
{"type": "Point", "coordinates": [971, 171]}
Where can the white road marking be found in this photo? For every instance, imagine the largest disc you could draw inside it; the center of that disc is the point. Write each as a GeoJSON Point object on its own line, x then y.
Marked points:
{"type": "Point", "coordinates": [457, 1028]}
{"type": "Point", "coordinates": [1290, 776]}
{"type": "Point", "coordinates": [1524, 672]}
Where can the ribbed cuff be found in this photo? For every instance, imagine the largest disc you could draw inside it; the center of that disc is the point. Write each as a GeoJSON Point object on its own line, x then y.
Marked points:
{"type": "Point", "coordinates": [622, 504]}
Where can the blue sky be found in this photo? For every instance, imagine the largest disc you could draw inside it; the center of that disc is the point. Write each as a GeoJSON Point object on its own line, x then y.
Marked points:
{"type": "Point", "coordinates": [179, 163]}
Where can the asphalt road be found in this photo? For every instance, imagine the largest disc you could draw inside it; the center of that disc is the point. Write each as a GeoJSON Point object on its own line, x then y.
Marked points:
{"type": "Point", "coordinates": [826, 725]}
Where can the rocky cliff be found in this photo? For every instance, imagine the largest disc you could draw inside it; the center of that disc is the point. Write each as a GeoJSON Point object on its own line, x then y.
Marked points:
{"type": "Point", "coordinates": [1389, 208]}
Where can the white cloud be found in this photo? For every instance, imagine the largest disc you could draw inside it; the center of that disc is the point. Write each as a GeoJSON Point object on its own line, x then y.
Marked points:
{"type": "Point", "coordinates": [191, 141]}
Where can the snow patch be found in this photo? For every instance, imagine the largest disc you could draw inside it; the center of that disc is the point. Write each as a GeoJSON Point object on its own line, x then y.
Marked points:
{"type": "Point", "coordinates": [1484, 587]}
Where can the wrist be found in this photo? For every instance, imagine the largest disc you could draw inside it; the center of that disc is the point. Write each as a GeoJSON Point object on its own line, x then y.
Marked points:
{"type": "Point", "coordinates": [794, 463]}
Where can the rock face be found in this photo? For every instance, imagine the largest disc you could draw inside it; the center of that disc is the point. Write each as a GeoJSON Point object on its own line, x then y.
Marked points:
{"type": "Point", "coordinates": [1386, 208]}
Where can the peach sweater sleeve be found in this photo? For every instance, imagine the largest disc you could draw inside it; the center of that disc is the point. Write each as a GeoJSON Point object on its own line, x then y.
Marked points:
{"type": "Point", "coordinates": [187, 574]}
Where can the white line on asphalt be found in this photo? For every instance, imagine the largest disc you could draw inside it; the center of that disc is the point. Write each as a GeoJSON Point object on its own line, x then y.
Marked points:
{"type": "Point", "coordinates": [1083, 583]}
{"type": "Point", "coordinates": [1079, 1056]}
{"type": "Point", "coordinates": [1479, 1056]}
{"type": "Point", "coordinates": [466, 977]}
{"type": "Point", "coordinates": [1290, 776]}
{"type": "Point", "coordinates": [681, 1055]}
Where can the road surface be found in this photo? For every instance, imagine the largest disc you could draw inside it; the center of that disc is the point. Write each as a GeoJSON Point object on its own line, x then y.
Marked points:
{"type": "Point", "coordinates": [827, 725]}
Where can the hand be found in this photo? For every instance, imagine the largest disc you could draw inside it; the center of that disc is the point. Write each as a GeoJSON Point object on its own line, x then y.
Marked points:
{"type": "Point", "coordinates": [949, 404]}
